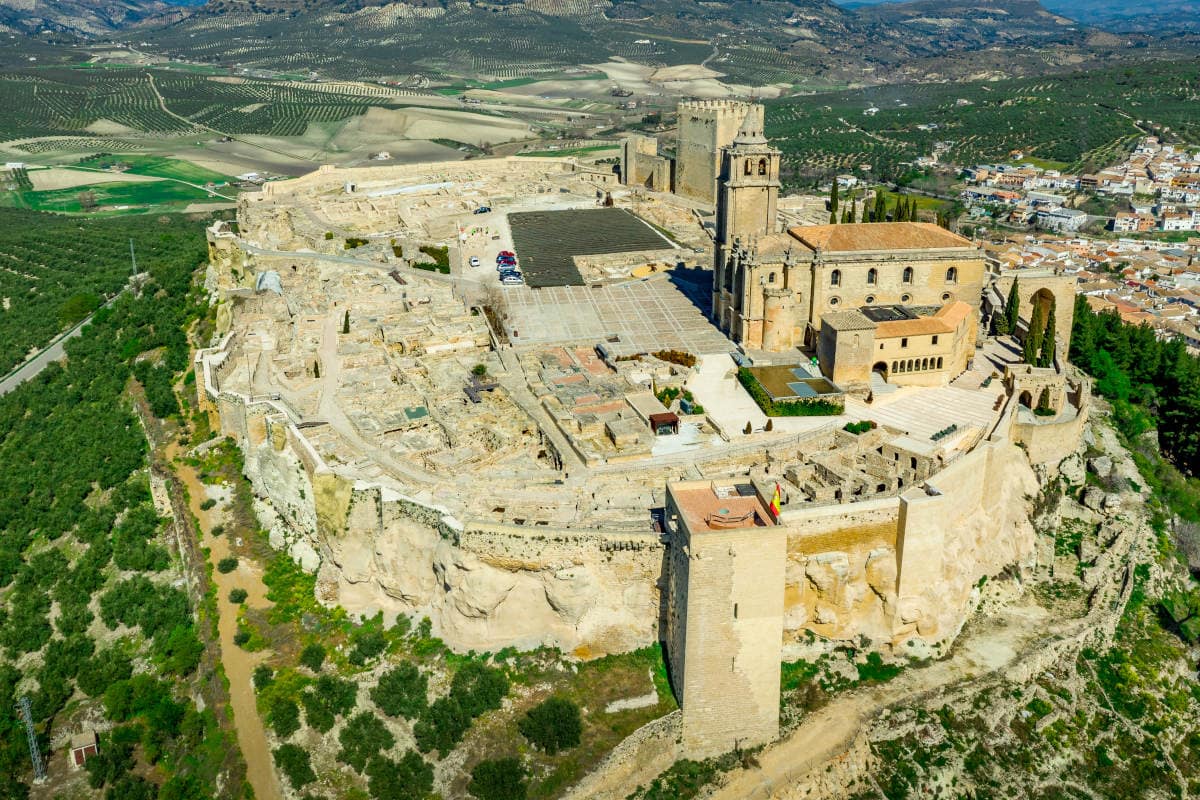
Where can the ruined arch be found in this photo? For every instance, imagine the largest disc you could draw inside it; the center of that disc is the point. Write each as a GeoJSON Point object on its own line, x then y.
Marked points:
{"type": "Point", "coordinates": [1026, 399]}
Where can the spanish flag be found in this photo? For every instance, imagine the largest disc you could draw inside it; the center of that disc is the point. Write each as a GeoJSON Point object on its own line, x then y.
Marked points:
{"type": "Point", "coordinates": [775, 502]}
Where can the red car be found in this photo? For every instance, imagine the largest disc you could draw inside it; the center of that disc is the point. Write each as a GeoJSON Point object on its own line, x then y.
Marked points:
{"type": "Point", "coordinates": [508, 253]}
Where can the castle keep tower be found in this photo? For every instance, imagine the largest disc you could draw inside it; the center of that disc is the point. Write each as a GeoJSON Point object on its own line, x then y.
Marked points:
{"type": "Point", "coordinates": [704, 128]}
{"type": "Point", "coordinates": [724, 614]}
{"type": "Point", "coordinates": [746, 209]}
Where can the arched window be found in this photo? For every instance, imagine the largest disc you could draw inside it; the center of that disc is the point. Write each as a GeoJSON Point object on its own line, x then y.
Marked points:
{"type": "Point", "coordinates": [762, 166]}
{"type": "Point", "coordinates": [835, 278]}
{"type": "Point", "coordinates": [952, 275]}
{"type": "Point", "coordinates": [748, 168]}
{"type": "Point", "coordinates": [939, 362]}
{"type": "Point", "coordinates": [770, 277]}
{"type": "Point", "coordinates": [872, 276]}
{"type": "Point", "coordinates": [924, 363]}
{"type": "Point", "coordinates": [910, 365]}
{"type": "Point", "coordinates": [894, 367]}
{"type": "Point", "coordinates": [908, 275]}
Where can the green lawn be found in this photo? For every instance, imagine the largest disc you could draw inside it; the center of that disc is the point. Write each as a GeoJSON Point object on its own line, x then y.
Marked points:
{"type": "Point", "coordinates": [572, 151]}
{"type": "Point", "coordinates": [159, 167]}
{"type": "Point", "coordinates": [138, 196]}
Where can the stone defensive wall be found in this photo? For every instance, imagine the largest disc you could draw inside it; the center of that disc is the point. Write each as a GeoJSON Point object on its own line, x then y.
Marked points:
{"type": "Point", "coordinates": [377, 546]}
{"type": "Point", "coordinates": [898, 571]}
{"type": "Point", "coordinates": [329, 176]}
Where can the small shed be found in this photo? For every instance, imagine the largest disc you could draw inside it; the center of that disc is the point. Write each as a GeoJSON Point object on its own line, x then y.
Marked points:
{"type": "Point", "coordinates": [83, 746]}
{"type": "Point", "coordinates": [665, 424]}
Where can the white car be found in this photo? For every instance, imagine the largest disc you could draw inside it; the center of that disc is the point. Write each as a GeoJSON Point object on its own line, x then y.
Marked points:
{"type": "Point", "coordinates": [475, 262]}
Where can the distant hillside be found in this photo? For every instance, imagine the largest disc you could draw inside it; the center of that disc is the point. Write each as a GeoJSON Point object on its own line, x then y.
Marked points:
{"type": "Point", "coordinates": [77, 16]}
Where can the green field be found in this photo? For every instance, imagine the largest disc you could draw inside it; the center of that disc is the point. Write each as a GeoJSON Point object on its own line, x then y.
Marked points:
{"type": "Point", "coordinates": [157, 166]}
{"type": "Point", "coordinates": [134, 197]}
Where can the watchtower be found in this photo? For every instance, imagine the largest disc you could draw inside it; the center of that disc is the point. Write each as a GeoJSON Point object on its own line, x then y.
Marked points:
{"type": "Point", "coordinates": [704, 127]}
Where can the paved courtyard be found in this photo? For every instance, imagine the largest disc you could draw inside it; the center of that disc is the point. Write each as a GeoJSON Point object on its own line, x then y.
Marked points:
{"type": "Point", "coordinates": [644, 316]}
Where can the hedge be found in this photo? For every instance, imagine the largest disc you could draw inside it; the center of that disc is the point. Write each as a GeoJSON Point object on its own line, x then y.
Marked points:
{"type": "Point", "coordinates": [814, 407]}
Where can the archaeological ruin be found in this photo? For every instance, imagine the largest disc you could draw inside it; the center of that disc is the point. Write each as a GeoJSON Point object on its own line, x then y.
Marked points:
{"type": "Point", "coordinates": [580, 466]}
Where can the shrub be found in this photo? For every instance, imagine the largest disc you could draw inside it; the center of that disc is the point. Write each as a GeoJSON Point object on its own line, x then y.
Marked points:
{"type": "Point", "coordinates": [241, 638]}
{"type": "Point", "coordinates": [313, 656]}
{"type": "Point", "coordinates": [328, 235]}
{"type": "Point", "coordinates": [410, 778]}
{"type": "Point", "coordinates": [552, 725]}
{"type": "Point", "coordinates": [362, 739]}
{"type": "Point", "coordinates": [479, 369]}
{"type": "Point", "coordinates": [283, 716]}
{"type": "Point", "coordinates": [499, 779]}
{"type": "Point", "coordinates": [353, 242]}
{"type": "Point", "coordinates": [813, 407]}
{"type": "Point", "coordinates": [858, 428]}
{"type": "Point", "coordinates": [263, 677]}
{"type": "Point", "coordinates": [217, 530]}
{"type": "Point", "coordinates": [227, 565]}
{"type": "Point", "coordinates": [207, 504]}
{"type": "Point", "coordinates": [401, 691]}
{"type": "Point", "coordinates": [680, 357]}
{"type": "Point", "coordinates": [325, 700]}
{"type": "Point", "coordinates": [368, 644]}
{"type": "Point", "coordinates": [293, 762]}
{"type": "Point", "coordinates": [475, 689]}
{"type": "Point", "coordinates": [237, 596]}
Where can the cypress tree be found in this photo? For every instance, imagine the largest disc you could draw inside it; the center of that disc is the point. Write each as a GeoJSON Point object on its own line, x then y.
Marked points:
{"type": "Point", "coordinates": [898, 211]}
{"type": "Point", "coordinates": [1012, 308]}
{"type": "Point", "coordinates": [316, 369]}
{"type": "Point", "coordinates": [833, 199]}
{"type": "Point", "coordinates": [853, 210]}
{"type": "Point", "coordinates": [1046, 356]}
{"type": "Point", "coordinates": [346, 322]}
{"type": "Point", "coordinates": [880, 207]}
{"type": "Point", "coordinates": [1034, 336]}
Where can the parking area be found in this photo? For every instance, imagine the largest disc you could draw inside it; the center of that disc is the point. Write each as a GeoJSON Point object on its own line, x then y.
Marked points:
{"type": "Point", "coordinates": [643, 316]}
{"type": "Point", "coordinates": [546, 242]}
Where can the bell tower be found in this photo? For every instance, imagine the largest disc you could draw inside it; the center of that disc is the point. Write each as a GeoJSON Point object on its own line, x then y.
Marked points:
{"type": "Point", "coordinates": [747, 194]}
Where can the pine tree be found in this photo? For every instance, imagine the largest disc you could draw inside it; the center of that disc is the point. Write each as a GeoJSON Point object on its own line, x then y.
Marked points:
{"type": "Point", "coordinates": [1012, 308]}
{"type": "Point", "coordinates": [1046, 356]}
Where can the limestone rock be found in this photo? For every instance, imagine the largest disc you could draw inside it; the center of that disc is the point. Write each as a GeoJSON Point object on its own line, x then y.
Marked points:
{"type": "Point", "coordinates": [1072, 469]}
{"type": "Point", "coordinates": [1111, 504]}
{"type": "Point", "coordinates": [1101, 466]}
{"type": "Point", "coordinates": [1093, 498]}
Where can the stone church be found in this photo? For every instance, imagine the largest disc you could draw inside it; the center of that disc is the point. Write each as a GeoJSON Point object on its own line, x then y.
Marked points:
{"type": "Point", "coordinates": [898, 298]}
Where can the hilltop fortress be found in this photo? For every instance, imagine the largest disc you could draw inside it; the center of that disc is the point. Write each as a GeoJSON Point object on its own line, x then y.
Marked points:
{"type": "Point", "coordinates": [579, 466]}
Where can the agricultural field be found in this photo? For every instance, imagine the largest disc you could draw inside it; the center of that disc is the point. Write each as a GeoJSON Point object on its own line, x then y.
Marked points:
{"type": "Point", "coordinates": [96, 618]}
{"type": "Point", "coordinates": [54, 270]}
{"type": "Point", "coordinates": [1080, 120]}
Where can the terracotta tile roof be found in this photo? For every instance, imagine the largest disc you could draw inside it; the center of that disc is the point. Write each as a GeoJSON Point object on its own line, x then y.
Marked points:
{"type": "Point", "coordinates": [946, 320]}
{"type": "Point", "coordinates": [852, 320]}
{"type": "Point", "coordinates": [953, 313]}
{"type": "Point", "coordinates": [853, 237]}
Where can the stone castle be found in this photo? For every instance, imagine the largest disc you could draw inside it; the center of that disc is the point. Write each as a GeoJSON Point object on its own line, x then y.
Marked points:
{"type": "Point", "coordinates": [375, 475]}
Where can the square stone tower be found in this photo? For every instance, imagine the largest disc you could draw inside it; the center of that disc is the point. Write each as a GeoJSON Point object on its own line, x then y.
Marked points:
{"type": "Point", "coordinates": [704, 127]}
{"type": "Point", "coordinates": [724, 630]}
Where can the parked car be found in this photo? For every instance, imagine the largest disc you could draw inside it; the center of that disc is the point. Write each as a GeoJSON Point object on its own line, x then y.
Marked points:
{"type": "Point", "coordinates": [475, 262]}
{"type": "Point", "coordinates": [511, 280]}
{"type": "Point", "coordinates": [482, 210]}
{"type": "Point", "coordinates": [508, 253]}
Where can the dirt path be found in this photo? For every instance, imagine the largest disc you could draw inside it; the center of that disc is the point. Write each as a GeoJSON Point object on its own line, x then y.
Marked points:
{"type": "Point", "coordinates": [239, 664]}
{"type": "Point", "coordinates": [989, 645]}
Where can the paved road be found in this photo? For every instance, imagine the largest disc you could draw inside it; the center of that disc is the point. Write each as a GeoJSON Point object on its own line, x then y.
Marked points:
{"type": "Point", "coordinates": [54, 352]}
